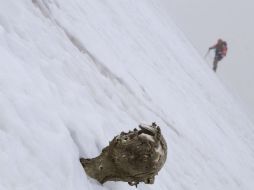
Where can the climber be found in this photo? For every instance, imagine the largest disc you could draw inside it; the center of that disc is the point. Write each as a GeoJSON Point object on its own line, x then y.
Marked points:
{"type": "Point", "coordinates": [220, 51]}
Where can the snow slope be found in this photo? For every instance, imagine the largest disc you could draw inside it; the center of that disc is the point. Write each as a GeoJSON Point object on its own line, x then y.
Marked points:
{"type": "Point", "coordinates": [205, 21]}
{"type": "Point", "coordinates": [76, 73]}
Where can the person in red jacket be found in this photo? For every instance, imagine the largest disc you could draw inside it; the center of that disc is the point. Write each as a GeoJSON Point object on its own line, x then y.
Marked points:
{"type": "Point", "coordinates": [220, 51]}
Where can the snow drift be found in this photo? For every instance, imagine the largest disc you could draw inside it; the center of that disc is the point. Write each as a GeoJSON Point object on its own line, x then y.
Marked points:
{"type": "Point", "coordinates": [76, 73]}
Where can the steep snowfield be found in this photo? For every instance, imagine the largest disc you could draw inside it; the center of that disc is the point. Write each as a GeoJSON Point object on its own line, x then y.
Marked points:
{"type": "Point", "coordinates": [76, 73]}
{"type": "Point", "coordinates": [227, 19]}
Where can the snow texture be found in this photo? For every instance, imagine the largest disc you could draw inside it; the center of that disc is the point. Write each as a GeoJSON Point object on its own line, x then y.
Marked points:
{"type": "Point", "coordinates": [76, 73]}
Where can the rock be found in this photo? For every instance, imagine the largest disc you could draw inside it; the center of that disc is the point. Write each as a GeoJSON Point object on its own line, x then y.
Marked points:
{"type": "Point", "coordinates": [133, 157]}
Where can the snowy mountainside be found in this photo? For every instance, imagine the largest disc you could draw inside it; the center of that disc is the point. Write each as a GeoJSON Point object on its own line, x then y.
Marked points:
{"type": "Point", "coordinates": [76, 73]}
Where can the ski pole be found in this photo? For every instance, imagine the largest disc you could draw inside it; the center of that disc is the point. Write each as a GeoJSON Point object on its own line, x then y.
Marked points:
{"type": "Point", "coordinates": [207, 53]}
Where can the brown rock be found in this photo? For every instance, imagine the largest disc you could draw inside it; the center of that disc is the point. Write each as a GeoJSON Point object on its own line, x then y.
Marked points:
{"type": "Point", "coordinates": [133, 157]}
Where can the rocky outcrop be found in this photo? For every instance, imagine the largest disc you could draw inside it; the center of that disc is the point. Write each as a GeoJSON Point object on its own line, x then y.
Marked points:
{"type": "Point", "coordinates": [133, 157]}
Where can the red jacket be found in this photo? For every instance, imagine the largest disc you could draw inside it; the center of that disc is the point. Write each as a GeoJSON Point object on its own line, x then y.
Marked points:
{"type": "Point", "coordinates": [220, 48]}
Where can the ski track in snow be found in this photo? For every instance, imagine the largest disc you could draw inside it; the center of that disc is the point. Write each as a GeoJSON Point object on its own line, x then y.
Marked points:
{"type": "Point", "coordinates": [74, 74]}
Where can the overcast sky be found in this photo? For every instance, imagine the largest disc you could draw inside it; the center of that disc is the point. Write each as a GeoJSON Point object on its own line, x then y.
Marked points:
{"type": "Point", "coordinates": [204, 21]}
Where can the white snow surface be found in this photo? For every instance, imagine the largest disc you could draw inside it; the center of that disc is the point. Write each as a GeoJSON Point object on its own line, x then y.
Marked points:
{"type": "Point", "coordinates": [76, 73]}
